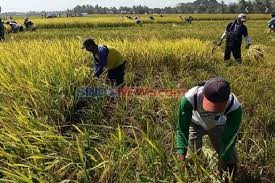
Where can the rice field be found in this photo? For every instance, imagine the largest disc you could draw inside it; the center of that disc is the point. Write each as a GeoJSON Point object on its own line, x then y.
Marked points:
{"type": "Point", "coordinates": [49, 136]}
{"type": "Point", "coordinates": [123, 21]}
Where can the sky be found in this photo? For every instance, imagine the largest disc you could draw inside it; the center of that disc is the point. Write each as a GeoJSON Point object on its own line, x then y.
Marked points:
{"type": "Point", "coordinates": [54, 5]}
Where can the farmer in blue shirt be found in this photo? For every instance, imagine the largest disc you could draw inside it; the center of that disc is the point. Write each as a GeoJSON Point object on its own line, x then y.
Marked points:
{"type": "Point", "coordinates": [106, 57]}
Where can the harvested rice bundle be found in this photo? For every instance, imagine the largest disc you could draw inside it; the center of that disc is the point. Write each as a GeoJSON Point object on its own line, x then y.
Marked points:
{"type": "Point", "coordinates": [256, 52]}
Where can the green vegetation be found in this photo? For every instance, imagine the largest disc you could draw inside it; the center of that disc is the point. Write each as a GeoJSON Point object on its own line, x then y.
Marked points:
{"type": "Point", "coordinates": [45, 138]}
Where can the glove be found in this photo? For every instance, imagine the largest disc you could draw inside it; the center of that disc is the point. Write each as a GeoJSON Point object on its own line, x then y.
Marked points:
{"type": "Point", "coordinates": [247, 46]}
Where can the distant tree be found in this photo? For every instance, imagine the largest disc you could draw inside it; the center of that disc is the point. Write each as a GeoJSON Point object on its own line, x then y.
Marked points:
{"type": "Point", "coordinates": [198, 6]}
{"type": "Point", "coordinates": [259, 6]}
{"type": "Point", "coordinates": [223, 7]}
{"type": "Point", "coordinates": [268, 5]}
{"type": "Point", "coordinates": [243, 6]}
{"type": "Point", "coordinates": [157, 10]}
{"type": "Point", "coordinates": [233, 8]}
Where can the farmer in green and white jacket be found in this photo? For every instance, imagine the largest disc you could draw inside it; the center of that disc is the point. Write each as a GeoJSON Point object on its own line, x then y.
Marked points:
{"type": "Point", "coordinates": [210, 109]}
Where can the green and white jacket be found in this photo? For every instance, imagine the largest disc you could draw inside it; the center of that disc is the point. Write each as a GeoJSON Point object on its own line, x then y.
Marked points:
{"type": "Point", "coordinates": [190, 111]}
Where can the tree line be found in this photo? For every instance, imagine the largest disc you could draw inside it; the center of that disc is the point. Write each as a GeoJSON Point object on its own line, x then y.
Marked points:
{"type": "Point", "coordinates": [198, 6]}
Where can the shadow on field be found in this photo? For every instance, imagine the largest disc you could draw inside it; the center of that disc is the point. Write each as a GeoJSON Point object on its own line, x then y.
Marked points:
{"type": "Point", "coordinates": [245, 176]}
{"type": "Point", "coordinates": [75, 115]}
{"type": "Point", "coordinates": [271, 128]}
{"type": "Point", "coordinates": [92, 109]}
{"type": "Point", "coordinates": [205, 66]}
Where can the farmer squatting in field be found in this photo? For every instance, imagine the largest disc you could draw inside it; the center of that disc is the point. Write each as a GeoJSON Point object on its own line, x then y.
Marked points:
{"type": "Point", "coordinates": [271, 23]}
{"type": "Point", "coordinates": [29, 24]}
{"type": "Point", "coordinates": [210, 109]}
{"type": "Point", "coordinates": [107, 57]}
{"type": "Point", "coordinates": [233, 34]}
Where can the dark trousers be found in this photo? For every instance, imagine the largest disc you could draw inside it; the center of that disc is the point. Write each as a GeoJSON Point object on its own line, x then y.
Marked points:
{"type": "Point", "coordinates": [116, 76]}
{"type": "Point", "coordinates": [1, 30]}
{"type": "Point", "coordinates": [236, 50]}
{"type": "Point", "coordinates": [196, 134]}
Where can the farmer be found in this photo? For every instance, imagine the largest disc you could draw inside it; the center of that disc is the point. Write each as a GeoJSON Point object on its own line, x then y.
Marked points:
{"type": "Point", "coordinates": [14, 26]}
{"type": "Point", "coordinates": [29, 24]}
{"type": "Point", "coordinates": [189, 20]}
{"type": "Point", "coordinates": [138, 21]}
{"type": "Point", "coordinates": [210, 109]}
{"type": "Point", "coordinates": [2, 32]}
{"type": "Point", "coordinates": [233, 34]}
{"type": "Point", "coordinates": [271, 23]}
{"type": "Point", "coordinates": [151, 18]}
{"type": "Point", "coordinates": [107, 57]}
{"type": "Point", "coordinates": [129, 17]}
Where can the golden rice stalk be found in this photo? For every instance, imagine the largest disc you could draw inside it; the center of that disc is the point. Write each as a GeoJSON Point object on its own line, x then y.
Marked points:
{"type": "Point", "coordinates": [256, 53]}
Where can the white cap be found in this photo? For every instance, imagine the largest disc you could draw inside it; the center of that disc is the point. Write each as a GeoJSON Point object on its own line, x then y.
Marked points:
{"type": "Point", "coordinates": [242, 17]}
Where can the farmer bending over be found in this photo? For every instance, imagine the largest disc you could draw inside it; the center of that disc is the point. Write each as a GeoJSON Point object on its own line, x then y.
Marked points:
{"type": "Point", "coordinates": [210, 109]}
{"type": "Point", "coordinates": [29, 24]}
{"type": "Point", "coordinates": [107, 57]}
{"type": "Point", "coordinates": [189, 20]}
{"type": "Point", "coordinates": [15, 27]}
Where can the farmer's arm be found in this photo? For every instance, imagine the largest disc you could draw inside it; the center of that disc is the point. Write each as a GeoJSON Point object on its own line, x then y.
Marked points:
{"type": "Point", "coordinates": [248, 39]}
{"type": "Point", "coordinates": [225, 33]}
{"type": "Point", "coordinates": [229, 136]}
{"type": "Point", "coordinates": [184, 120]}
{"type": "Point", "coordinates": [99, 66]}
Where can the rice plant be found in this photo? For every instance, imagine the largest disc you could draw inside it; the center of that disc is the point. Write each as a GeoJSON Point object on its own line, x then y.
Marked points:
{"type": "Point", "coordinates": [49, 136]}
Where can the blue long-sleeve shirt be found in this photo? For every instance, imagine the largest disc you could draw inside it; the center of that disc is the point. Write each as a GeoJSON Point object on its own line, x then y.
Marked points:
{"type": "Point", "coordinates": [100, 60]}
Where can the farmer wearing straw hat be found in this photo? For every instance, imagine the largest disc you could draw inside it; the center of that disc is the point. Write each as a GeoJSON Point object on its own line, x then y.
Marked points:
{"type": "Point", "coordinates": [233, 34]}
{"type": "Point", "coordinates": [106, 57]}
{"type": "Point", "coordinates": [210, 109]}
{"type": "Point", "coordinates": [271, 23]}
